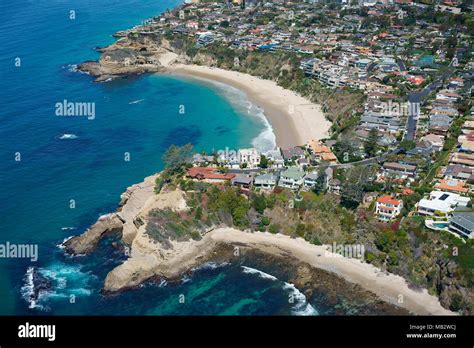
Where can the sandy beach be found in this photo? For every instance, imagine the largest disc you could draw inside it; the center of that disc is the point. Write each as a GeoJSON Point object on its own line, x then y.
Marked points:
{"type": "Point", "coordinates": [388, 287]}
{"type": "Point", "coordinates": [294, 119]}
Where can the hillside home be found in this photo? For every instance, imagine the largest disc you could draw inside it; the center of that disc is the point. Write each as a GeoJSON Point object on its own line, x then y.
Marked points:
{"type": "Point", "coordinates": [266, 181]}
{"type": "Point", "coordinates": [291, 178]}
{"type": "Point", "coordinates": [388, 208]}
{"type": "Point", "coordinates": [439, 201]}
{"type": "Point", "coordinates": [462, 223]}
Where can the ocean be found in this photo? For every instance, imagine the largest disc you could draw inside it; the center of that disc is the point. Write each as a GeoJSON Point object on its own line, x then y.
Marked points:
{"type": "Point", "coordinates": [59, 174]}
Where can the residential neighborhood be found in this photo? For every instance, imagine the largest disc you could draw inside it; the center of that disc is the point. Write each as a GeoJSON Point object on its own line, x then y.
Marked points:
{"type": "Point", "coordinates": [392, 166]}
{"type": "Point", "coordinates": [413, 130]}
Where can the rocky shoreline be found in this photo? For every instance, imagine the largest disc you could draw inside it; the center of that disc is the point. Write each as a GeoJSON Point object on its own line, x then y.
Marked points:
{"type": "Point", "coordinates": [128, 57]}
{"type": "Point", "coordinates": [307, 266]}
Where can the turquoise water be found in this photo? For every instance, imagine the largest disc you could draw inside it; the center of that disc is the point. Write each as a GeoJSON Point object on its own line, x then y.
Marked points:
{"type": "Point", "coordinates": [64, 159]}
{"type": "Point", "coordinates": [139, 116]}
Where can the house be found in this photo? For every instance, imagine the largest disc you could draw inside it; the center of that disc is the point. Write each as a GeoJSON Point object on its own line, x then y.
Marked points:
{"type": "Point", "coordinates": [447, 95]}
{"type": "Point", "coordinates": [459, 172]}
{"type": "Point", "coordinates": [266, 181]}
{"type": "Point", "coordinates": [388, 208]}
{"type": "Point", "coordinates": [328, 173]}
{"type": "Point", "coordinates": [422, 148]}
{"type": "Point", "coordinates": [467, 146]}
{"type": "Point", "coordinates": [452, 185]}
{"type": "Point", "coordinates": [322, 152]}
{"type": "Point", "coordinates": [293, 153]}
{"type": "Point", "coordinates": [386, 140]}
{"type": "Point", "coordinates": [199, 158]}
{"type": "Point", "coordinates": [400, 170]}
{"type": "Point", "coordinates": [462, 158]}
{"type": "Point", "coordinates": [243, 181]}
{"type": "Point", "coordinates": [335, 186]}
{"type": "Point", "coordinates": [208, 174]}
{"type": "Point", "coordinates": [275, 157]}
{"type": "Point", "coordinates": [291, 178]}
{"type": "Point", "coordinates": [435, 140]}
{"type": "Point", "coordinates": [462, 223]}
{"type": "Point", "coordinates": [440, 130]}
{"type": "Point", "coordinates": [329, 157]}
{"type": "Point", "coordinates": [439, 201]}
{"type": "Point", "coordinates": [303, 163]}
{"type": "Point", "coordinates": [310, 180]}
{"type": "Point", "coordinates": [440, 120]}
{"type": "Point", "coordinates": [249, 158]}
{"type": "Point", "coordinates": [369, 197]}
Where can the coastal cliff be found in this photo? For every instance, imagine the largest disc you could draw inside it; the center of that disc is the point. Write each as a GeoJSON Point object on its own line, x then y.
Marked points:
{"type": "Point", "coordinates": [149, 258]}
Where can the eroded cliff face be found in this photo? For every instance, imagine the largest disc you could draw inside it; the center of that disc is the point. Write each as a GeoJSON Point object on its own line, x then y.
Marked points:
{"type": "Point", "coordinates": [147, 258]}
{"type": "Point", "coordinates": [126, 220]}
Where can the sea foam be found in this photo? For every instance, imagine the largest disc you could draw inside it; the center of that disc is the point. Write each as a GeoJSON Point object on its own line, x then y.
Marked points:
{"type": "Point", "coordinates": [301, 305]}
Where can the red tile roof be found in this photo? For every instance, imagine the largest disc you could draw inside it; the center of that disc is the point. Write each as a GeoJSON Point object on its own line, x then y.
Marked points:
{"type": "Point", "coordinates": [388, 200]}
{"type": "Point", "coordinates": [208, 173]}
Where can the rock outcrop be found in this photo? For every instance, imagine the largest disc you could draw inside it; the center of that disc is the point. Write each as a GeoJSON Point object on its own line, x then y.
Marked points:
{"type": "Point", "coordinates": [129, 57]}
{"type": "Point", "coordinates": [126, 220]}
{"type": "Point", "coordinates": [87, 242]}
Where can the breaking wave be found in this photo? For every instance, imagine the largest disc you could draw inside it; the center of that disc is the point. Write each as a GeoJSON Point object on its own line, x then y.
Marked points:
{"type": "Point", "coordinates": [301, 305]}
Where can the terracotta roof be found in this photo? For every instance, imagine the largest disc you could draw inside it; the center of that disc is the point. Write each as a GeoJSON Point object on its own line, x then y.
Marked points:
{"type": "Point", "coordinates": [452, 185]}
{"type": "Point", "coordinates": [388, 200]}
{"type": "Point", "coordinates": [328, 157]}
{"type": "Point", "coordinates": [208, 173]}
{"type": "Point", "coordinates": [317, 147]}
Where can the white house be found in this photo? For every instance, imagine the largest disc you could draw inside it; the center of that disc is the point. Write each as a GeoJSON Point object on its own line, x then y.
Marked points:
{"type": "Point", "coordinates": [388, 208]}
{"type": "Point", "coordinates": [249, 157]}
{"type": "Point", "coordinates": [444, 202]}
{"type": "Point", "coordinates": [275, 157]}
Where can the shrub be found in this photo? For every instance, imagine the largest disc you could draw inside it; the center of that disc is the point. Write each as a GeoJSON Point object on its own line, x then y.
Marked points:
{"type": "Point", "coordinates": [274, 228]}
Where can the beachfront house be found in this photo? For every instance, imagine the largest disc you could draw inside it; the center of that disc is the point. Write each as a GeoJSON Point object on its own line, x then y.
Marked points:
{"type": "Point", "coordinates": [388, 208]}
{"type": "Point", "coordinates": [293, 154]}
{"type": "Point", "coordinates": [249, 158]}
{"type": "Point", "coordinates": [199, 159]}
{"type": "Point", "coordinates": [322, 152]}
{"type": "Point", "coordinates": [275, 158]}
{"type": "Point", "coordinates": [291, 178]}
{"type": "Point", "coordinates": [266, 181]}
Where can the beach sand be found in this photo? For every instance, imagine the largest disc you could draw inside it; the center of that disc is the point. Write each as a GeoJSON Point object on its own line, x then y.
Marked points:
{"type": "Point", "coordinates": [294, 119]}
{"type": "Point", "coordinates": [389, 287]}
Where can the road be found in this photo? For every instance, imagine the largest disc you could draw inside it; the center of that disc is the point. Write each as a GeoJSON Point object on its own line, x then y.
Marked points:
{"type": "Point", "coordinates": [416, 97]}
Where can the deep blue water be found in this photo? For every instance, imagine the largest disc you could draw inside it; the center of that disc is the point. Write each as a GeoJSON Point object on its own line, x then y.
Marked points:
{"type": "Point", "coordinates": [138, 116]}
